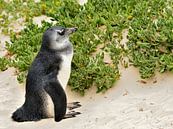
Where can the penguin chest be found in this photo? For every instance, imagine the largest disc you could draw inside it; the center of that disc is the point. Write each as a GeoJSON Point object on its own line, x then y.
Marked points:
{"type": "Point", "coordinates": [65, 70]}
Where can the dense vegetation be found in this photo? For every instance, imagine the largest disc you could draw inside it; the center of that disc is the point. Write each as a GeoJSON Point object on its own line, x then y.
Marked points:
{"type": "Point", "coordinates": [100, 23]}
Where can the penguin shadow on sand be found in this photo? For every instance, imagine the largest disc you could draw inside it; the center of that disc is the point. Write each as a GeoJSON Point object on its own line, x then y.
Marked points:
{"type": "Point", "coordinates": [47, 79]}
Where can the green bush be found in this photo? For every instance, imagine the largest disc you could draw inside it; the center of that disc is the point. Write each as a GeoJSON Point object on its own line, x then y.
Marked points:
{"type": "Point", "coordinates": [150, 45]}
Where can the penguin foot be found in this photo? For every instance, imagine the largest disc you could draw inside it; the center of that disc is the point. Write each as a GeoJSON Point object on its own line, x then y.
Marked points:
{"type": "Point", "coordinates": [73, 105]}
{"type": "Point", "coordinates": [71, 114]}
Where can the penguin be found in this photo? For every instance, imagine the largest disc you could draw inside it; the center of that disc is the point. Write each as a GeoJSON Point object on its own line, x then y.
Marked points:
{"type": "Point", "coordinates": [47, 79]}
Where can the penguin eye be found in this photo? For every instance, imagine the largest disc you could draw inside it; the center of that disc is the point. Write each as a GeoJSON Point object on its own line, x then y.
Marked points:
{"type": "Point", "coordinates": [61, 32]}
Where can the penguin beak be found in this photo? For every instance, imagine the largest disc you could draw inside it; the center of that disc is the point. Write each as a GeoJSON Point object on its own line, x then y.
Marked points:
{"type": "Point", "coordinates": [71, 30]}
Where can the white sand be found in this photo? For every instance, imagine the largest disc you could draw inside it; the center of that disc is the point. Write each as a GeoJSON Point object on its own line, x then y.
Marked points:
{"type": "Point", "coordinates": [3, 40]}
{"type": "Point", "coordinates": [129, 105]}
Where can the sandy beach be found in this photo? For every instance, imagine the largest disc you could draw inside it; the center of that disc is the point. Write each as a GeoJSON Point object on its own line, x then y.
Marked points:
{"type": "Point", "coordinates": [130, 104]}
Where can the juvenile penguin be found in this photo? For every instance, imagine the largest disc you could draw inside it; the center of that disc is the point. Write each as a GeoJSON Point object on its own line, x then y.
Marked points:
{"type": "Point", "coordinates": [47, 78]}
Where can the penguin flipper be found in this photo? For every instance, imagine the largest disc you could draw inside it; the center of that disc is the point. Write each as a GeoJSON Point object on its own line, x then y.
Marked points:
{"type": "Point", "coordinates": [58, 96]}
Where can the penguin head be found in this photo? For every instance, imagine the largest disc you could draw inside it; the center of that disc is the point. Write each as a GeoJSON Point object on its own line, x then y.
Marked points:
{"type": "Point", "coordinates": [57, 37]}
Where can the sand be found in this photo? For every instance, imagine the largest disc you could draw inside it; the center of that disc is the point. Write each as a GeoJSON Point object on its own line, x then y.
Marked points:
{"type": "Point", "coordinates": [130, 104]}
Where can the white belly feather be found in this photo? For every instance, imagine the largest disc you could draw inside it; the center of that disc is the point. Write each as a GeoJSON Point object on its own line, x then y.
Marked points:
{"type": "Point", "coordinates": [65, 70]}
